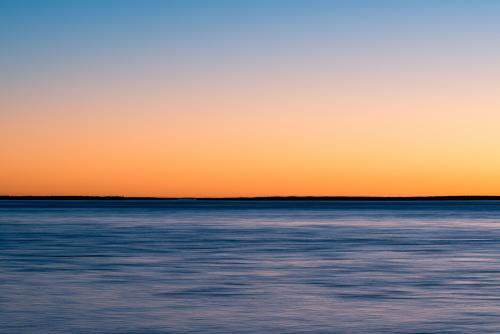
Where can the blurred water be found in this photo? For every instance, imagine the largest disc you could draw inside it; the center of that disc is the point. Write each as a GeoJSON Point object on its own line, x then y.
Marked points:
{"type": "Point", "coordinates": [249, 267]}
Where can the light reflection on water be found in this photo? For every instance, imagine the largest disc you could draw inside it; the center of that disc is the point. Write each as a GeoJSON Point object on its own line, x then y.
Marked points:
{"type": "Point", "coordinates": [249, 267]}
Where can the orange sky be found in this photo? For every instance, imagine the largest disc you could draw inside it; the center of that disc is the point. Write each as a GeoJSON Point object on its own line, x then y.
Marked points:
{"type": "Point", "coordinates": [394, 116]}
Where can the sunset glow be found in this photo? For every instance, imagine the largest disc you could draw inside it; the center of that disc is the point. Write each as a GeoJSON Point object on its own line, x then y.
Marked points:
{"type": "Point", "coordinates": [255, 98]}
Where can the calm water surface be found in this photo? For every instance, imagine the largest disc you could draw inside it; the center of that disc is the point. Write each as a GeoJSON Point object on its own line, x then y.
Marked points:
{"type": "Point", "coordinates": [249, 267]}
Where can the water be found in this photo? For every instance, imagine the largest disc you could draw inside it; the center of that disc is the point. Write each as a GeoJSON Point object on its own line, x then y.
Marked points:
{"type": "Point", "coordinates": [249, 267]}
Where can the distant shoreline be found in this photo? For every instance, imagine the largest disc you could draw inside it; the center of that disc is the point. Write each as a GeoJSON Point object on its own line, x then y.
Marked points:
{"type": "Point", "coordinates": [263, 198]}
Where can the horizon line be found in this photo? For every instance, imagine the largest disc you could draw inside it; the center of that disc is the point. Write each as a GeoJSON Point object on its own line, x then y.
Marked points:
{"type": "Point", "coordinates": [256, 198]}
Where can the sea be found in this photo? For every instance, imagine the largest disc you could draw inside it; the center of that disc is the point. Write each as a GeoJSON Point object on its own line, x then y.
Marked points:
{"type": "Point", "coordinates": [201, 266]}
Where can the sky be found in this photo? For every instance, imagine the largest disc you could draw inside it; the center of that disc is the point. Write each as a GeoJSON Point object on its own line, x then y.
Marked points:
{"type": "Point", "coordinates": [249, 98]}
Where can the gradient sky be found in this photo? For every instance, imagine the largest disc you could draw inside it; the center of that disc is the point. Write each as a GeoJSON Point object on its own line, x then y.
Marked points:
{"type": "Point", "coordinates": [246, 98]}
